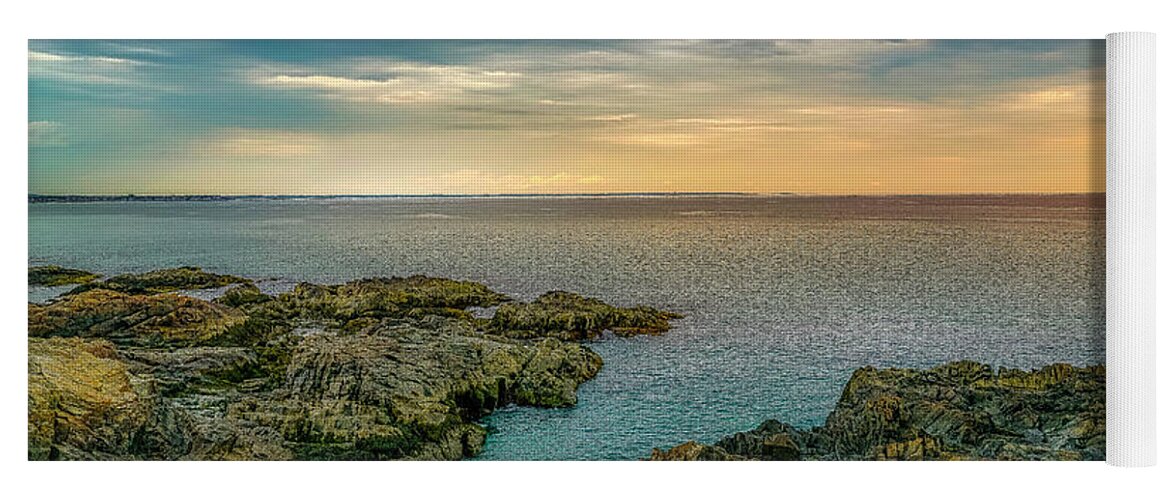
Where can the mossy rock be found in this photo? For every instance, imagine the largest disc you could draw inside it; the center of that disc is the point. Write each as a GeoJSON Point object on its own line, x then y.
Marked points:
{"type": "Point", "coordinates": [387, 368]}
{"type": "Point", "coordinates": [961, 410]}
{"type": "Point", "coordinates": [132, 319]}
{"type": "Point", "coordinates": [162, 281]}
{"type": "Point", "coordinates": [569, 316]}
{"type": "Point", "coordinates": [243, 296]}
{"type": "Point", "coordinates": [413, 297]}
{"type": "Point", "coordinates": [551, 375]}
{"type": "Point", "coordinates": [83, 404]}
{"type": "Point", "coordinates": [58, 276]}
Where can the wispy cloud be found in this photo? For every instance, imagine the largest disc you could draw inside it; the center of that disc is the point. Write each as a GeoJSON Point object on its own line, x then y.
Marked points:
{"type": "Point", "coordinates": [612, 118]}
{"type": "Point", "coordinates": [244, 143]}
{"type": "Point", "coordinates": [137, 48]}
{"type": "Point", "coordinates": [86, 69]}
{"type": "Point", "coordinates": [46, 57]}
{"type": "Point", "coordinates": [403, 83]}
{"type": "Point", "coordinates": [46, 133]}
{"type": "Point", "coordinates": [846, 52]}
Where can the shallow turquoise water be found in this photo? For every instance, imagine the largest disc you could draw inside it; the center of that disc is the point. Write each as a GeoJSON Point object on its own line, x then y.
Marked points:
{"type": "Point", "coordinates": [784, 297]}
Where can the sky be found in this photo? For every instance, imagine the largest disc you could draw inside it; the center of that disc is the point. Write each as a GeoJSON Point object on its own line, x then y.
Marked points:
{"type": "Point", "coordinates": [594, 116]}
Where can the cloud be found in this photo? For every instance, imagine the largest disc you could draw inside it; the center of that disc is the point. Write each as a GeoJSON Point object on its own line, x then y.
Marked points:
{"type": "Point", "coordinates": [845, 52]}
{"type": "Point", "coordinates": [85, 69]}
{"type": "Point", "coordinates": [612, 118]}
{"type": "Point", "coordinates": [722, 121]}
{"type": "Point", "coordinates": [570, 86]}
{"type": "Point", "coordinates": [46, 133]}
{"type": "Point", "coordinates": [132, 48]}
{"type": "Point", "coordinates": [840, 116]}
{"type": "Point", "coordinates": [850, 110]}
{"type": "Point", "coordinates": [46, 57]}
{"type": "Point", "coordinates": [404, 83]}
{"type": "Point", "coordinates": [738, 124]}
{"type": "Point", "coordinates": [658, 139]}
{"type": "Point", "coordinates": [1052, 97]}
{"type": "Point", "coordinates": [235, 143]}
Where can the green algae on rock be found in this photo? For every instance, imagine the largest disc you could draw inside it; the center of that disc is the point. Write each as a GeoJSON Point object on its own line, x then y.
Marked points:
{"type": "Point", "coordinates": [570, 316]}
{"type": "Point", "coordinates": [162, 281]}
{"type": "Point", "coordinates": [958, 411]}
{"type": "Point", "coordinates": [58, 276]}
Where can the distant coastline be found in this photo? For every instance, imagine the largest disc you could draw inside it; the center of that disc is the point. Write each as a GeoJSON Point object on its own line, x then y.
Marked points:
{"type": "Point", "coordinates": [85, 198]}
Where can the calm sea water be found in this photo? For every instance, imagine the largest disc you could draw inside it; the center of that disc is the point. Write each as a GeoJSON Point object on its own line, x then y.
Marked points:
{"type": "Point", "coordinates": [784, 296]}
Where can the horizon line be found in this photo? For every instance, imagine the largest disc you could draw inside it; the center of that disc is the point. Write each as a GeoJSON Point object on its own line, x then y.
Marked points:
{"type": "Point", "coordinates": [566, 195]}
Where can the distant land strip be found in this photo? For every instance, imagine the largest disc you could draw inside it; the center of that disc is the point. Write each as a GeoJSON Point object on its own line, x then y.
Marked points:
{"type": "Point", "coordinates": [85, 198]}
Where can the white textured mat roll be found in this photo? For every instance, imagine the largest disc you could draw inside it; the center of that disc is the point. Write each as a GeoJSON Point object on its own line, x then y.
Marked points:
{"type": "Point", "coordinates": [1130, 249]}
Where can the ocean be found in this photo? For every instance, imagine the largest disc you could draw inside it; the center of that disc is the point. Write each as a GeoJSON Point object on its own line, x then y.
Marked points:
{"type": "Point", "coordinates": [783, 296]}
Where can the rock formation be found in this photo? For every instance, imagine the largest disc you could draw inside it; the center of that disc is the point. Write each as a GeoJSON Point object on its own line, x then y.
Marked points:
{"type": "Point", "coordinates": [164, 280]}
{"type": "Point", "coordinates": [372, 369]}
{"type": "Point", "coordinates": [84, 404]}
{"type": "Point", "coordinates": [132, 319]}
{"type": "Point", "coordinates": [569, 316]}
{"type": "Point", "coordinates": [399, 368]}
{"type": "Point", "coordinates": [58, 276]}
{"type": "Point", "coordinates": [958, 411]}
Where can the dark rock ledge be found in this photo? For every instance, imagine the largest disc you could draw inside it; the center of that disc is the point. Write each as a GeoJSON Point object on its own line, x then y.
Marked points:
{"type": "Point", "coordinates": [958, 411]}
{"type": "Point", "coordinates": [388, 368]}
{"type": "Point", "coordinates": [58, 276]}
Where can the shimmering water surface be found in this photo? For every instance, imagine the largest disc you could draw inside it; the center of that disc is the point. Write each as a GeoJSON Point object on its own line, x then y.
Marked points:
{"type": "Point", "coordinates": [783, 296]}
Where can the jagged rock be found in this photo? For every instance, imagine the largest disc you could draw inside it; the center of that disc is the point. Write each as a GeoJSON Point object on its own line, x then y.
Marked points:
{"type": "Point", "coordinates": [410, 392]}
{"type": "Point", "coordinates": [780, 447]}
{"type": "Point", "coordinates": [569, 316]}
{"type": "Point", "coordinates": [162, 281]}
{"type": "Point", "coordinates": [966, 407]}
{"type": "Point", "coordinates": [772, 440]}
{"type": "Point", "coordinates": [58, 276]}
{"type": "Point", "coordinates": [551, 373]}
{"type": "Point", "coordinates": [693, 451]}
{"type": "Point", "coordinates": [406, 389]}
{"type": "Point", "coordinates": [365, 301]}
{"type": "Point", "coordinates": [242, 296]}
{"type": "Point", "coordinates": [917, 449]}
{"type": "Point", "coordinates": [177, 370]}
{"type": "Point", "coordinates": [84, 404]}
{"type": "Point", "coordinates": [373, 369]}
{"type": "Point", "coordinates": [132, 319]}
{"type": "Point", "coordinates": [957, 411]}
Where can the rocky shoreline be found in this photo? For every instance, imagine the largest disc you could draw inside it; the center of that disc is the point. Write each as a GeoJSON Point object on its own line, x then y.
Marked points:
{"type": "Point", "coordinates": [958, 411]}
{"type": "Point", "coordinates": [387, 368]}
{"type": "Point", "coordinates": [132, 367]}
